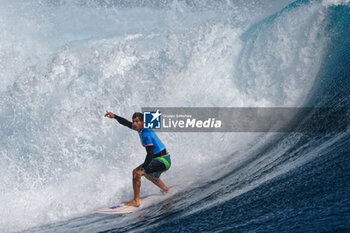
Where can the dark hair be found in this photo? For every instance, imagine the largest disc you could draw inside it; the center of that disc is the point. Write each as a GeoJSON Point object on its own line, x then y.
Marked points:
{"type": "Point", "coordinates": [138, 115]}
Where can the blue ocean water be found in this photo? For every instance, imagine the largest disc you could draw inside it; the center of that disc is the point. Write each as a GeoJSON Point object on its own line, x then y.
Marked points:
{"type": "Point", "coordinates": [64, 63]}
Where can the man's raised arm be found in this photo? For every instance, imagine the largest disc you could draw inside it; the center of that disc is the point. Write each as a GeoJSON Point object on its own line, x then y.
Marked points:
{"type": "Point", "coordinates": [121, 120]}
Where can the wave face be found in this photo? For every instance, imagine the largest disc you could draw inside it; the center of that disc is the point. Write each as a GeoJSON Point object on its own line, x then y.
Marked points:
{"type": "Point", "coordinates": [64, 63]}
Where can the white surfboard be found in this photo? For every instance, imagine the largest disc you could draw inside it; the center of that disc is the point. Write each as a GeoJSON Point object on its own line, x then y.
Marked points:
{"type": "Point", "coordinates": [124, 209]}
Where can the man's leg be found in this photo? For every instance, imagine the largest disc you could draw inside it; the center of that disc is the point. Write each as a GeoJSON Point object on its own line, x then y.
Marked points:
{"type": "Point", "coordinates": [157, 182]}
{"type": "Point", "coordinates": [136, 183]}
{"type": "Point", "coordinates": [156, 167]}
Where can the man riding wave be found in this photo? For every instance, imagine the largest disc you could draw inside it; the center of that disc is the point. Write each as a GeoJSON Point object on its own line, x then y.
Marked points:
{"type": "Point", "coordinates": [157, 159]}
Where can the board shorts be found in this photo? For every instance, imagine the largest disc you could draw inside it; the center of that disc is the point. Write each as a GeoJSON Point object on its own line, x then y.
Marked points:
{"type": "Point", "coordinates": [158, 165]}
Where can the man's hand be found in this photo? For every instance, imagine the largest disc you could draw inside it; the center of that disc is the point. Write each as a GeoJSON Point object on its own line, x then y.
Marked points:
{"type": "Point", "coordinates": [140, 172]}
{"type": "Point", "coordinates": [109, 115]}
{"type": "Point", "coordinates": [137, 172]}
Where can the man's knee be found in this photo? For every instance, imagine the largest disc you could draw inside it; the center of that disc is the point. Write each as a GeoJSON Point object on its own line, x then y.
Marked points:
{"type": "Point", "coordinates": [135, 174]}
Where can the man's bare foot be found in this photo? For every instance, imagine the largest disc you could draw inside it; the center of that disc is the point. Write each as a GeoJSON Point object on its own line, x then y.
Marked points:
{"type": "Point", "coordinates": [165, 191]}
{"type": "Point", "coordinates": [133, 203]}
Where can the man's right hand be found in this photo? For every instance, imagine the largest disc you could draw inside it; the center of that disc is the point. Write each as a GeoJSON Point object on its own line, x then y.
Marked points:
{"type": "Point", "coordinates": [109, 115]}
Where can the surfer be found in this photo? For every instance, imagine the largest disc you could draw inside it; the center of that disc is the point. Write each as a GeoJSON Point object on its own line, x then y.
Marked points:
{"type": "Point", "coordinates": [157, 159]}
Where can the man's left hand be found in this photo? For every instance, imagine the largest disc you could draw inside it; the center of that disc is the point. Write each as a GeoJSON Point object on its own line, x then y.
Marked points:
{"type": "Point", "coordinates": [140, 172]}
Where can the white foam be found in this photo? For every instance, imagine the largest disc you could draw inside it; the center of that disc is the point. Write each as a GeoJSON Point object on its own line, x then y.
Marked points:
{"type": "Point", "coordinates": [335, 2]}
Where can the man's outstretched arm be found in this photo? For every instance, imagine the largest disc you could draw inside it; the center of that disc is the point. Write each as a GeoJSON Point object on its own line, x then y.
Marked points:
{"type": "Point", "coordinates": [121, 120]}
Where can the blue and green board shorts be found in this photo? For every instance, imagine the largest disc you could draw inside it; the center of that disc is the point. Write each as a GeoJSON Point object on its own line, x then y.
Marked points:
{"type": "Point", "coordinates": [158, 165]}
